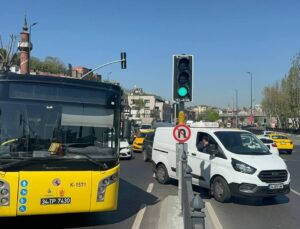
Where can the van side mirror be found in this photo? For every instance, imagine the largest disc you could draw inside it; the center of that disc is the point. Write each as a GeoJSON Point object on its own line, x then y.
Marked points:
{"type": "Point", "coordinates": [213, 149]}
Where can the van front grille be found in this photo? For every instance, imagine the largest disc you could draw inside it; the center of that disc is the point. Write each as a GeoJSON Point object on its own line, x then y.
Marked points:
{"type": "Point", "coordinates": [273, 176]}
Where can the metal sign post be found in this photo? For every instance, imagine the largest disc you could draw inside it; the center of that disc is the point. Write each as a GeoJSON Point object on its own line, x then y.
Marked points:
{"type": "Point", "coordinates": [181, 134]}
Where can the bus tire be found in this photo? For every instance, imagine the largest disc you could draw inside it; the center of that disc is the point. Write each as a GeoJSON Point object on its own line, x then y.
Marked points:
{"type": "Point", "coordinates": [161, 174]}
{"type": "Point", "coordinates": [220, 190]}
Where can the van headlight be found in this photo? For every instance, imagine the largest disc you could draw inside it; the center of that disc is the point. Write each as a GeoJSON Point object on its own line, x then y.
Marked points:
{"type": "Point", "coordinates": [4, 193]}
{"type": "Point", "coordinates": [242, 167]}
{"type": "Point", "coordinates": [103, 184]}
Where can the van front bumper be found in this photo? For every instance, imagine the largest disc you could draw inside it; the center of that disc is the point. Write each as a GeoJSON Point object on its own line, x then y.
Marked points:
{"type": "Point", "coordinates": [253, 190]}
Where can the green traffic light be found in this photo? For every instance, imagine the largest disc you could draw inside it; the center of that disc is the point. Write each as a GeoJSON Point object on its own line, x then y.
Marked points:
{"type": "Point", "coordinates": [182, 91]}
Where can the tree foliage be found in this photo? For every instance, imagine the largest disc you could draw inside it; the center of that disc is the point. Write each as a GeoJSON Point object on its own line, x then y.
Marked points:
{"type": "Point", "coordinates": [209, 115]}
{"type": "Point", "coordinates": [49, 64]}
{"type": "Point", "coordinates": [282, 100]}
{"type": "Point", "coordinates": [139, 104]}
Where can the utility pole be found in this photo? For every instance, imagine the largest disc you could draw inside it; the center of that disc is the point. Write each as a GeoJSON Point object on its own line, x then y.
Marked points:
{"type": "Point", "coordinates": [251, 100]}
{"type": "Point", "coordinates": [236, 108]}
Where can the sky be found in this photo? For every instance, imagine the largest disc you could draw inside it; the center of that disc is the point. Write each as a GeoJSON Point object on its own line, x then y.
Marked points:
{"type": "Point", "coordinates": [227, 38]}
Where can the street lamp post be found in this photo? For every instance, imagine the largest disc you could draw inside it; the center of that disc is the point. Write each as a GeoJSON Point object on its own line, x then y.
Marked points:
{"type": "Point", "coordinates": [31, 25]}
{"type": "Point", "coordinates": [251, 111]}
{"type": "Point", "coordinates": [236, 108]}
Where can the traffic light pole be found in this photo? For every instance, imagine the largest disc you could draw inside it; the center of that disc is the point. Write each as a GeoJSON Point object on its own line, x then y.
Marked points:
{"type": "Point", "coordinates": [181, 148]}
{"type": "Point", "coordinates": [122, 60]}
{"type": "Point", "coordinates": [101, 66]}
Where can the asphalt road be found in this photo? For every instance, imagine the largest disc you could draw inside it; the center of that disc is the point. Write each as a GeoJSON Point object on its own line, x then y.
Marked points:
{"type": "Point", "coordinates": [283, 212]}
{"type": "Point", "coordinates": [139, 189]}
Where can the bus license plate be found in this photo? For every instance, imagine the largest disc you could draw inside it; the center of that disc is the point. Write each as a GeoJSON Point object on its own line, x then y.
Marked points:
{"type": "Point", "coordinates": [275, 186]}
{"type": "Point", "coordinates": [59, 200]}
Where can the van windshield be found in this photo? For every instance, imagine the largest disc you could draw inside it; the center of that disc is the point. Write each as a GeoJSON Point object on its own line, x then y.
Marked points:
{"type": "Point", "coordinates": [242, 143]}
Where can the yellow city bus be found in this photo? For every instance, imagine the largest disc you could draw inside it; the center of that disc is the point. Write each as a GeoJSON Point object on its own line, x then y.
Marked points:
{"type": "Point", "coordinates": [59, 140]}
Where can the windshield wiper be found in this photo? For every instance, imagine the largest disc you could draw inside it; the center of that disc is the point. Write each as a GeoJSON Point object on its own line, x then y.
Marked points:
{"type": "Point", "coordinates": [17, 160]}
{"type": "Point", "coordinates": [89, 158]}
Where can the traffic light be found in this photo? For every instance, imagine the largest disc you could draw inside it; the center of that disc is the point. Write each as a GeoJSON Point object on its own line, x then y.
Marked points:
{"type": "Point", "coordinates": [123, 60]}
{"type": "Point", "coordinates": [183, 78]}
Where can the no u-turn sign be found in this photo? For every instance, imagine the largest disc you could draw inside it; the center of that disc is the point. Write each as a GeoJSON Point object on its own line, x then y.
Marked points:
{"type": "Point", "coordinates": [181, 133]}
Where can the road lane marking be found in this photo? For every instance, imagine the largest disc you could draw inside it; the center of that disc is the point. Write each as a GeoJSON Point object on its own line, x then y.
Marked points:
{"type": "Point", "coordinates": [153, 175]}
{"type": "Point", "coordinates": [215, 221]}
{"type": "Point", "coordinates": [294, 191]}
{"type": "Point", "coordinates": [150, 187]}
{"type": "Point", "coordinates": [139, 217]}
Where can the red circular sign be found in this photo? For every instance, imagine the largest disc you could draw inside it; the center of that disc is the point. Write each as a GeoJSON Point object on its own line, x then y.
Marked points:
{"type": "Point", "coordinates": [181, 133]}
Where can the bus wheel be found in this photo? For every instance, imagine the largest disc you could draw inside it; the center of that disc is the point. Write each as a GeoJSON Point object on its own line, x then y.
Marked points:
{"type": "Point", "coordinates": [221, 190]}
{"type": "Point", "coordinates": [161, 174]}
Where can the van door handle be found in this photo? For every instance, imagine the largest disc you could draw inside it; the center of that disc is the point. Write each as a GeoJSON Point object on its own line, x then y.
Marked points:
{"type": "Point", "coordinates": [193, 154]}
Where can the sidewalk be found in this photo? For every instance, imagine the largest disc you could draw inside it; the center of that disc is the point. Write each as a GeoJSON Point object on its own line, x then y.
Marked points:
{"type": "Point", "coordinates": [171, 217]}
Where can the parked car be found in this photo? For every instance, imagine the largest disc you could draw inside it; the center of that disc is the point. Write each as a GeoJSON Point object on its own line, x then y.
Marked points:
{"type": "Point", "coordinates": [270, 144]}
{"type": "Point", "coordinates": [284, 144]}
{"type": "Point", "coordinates": [229, 165]}
{"type": "Point", "coordinates": [125, 149]}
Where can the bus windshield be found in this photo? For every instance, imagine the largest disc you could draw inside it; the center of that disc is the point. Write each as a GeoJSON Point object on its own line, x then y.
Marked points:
{"type": "Point", "coordinates": [30, 129]}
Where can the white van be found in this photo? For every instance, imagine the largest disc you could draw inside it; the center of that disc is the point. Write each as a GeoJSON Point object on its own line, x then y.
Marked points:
{"type": "Point", "coordinates": [228, 166]}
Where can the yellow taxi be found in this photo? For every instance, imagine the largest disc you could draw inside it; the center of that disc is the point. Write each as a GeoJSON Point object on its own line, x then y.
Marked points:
{"type": "Point", "coordinates": [138, 142]}
{"type": "Point", "coordinates": [284, 144]}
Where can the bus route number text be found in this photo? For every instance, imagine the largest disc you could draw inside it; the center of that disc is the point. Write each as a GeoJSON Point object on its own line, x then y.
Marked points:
{"type": "Point", "coordinates": [78, 185]}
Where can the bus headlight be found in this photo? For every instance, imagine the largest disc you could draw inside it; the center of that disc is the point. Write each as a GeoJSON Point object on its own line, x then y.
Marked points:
{"type": "Point", "coordinates": [4, 201]}
{"type": "Point", "coordinates": [103, 184]}
{"type": "Point", "coordinates": [4, 193]}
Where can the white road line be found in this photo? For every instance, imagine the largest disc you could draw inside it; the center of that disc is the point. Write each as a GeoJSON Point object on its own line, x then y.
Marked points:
{"type": "Point", "coordinates": [153, 175]}
{"type": "Point", "coordinates": [294, 191]}
{"type": "Point", "coordinates": [215, 221]}
{"type": "Point", "coordinates": [150, 187]}
{"type": "Point", "coordinates": [140, 215]}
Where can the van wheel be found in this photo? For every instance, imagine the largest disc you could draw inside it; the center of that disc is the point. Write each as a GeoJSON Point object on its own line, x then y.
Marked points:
{"type": "Point", "coordinates": [220, 190]}
{"type": "Point", "coordinates": [145, 158]}
{"type": "Point", "coordinates": [161, 174]}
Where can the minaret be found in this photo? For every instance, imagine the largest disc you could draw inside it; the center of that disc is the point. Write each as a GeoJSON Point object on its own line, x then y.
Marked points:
{"type": "Point", "coordinates": [25, 47]}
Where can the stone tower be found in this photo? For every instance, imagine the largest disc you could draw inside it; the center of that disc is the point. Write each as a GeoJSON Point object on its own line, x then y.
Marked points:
{"type": "Point", "coordinates": [25, 47]}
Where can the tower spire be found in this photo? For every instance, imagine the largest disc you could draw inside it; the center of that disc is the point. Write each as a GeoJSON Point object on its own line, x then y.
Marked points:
{"type": "Point", "coordinates": [25, 27]}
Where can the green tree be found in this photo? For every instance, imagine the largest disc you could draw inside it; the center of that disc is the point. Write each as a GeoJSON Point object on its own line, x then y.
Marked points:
{"type": "Point", "coordinates": [139, 104]}
{"type": "Point", "coordinates": [50, 64]}
{"type": "Point", "coordinates": [210, 115]}
{"type": "Point", "coordinates": [282, 100]}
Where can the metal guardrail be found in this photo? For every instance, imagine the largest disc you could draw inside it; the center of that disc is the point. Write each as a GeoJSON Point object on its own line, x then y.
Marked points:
{"type": "Point", "coordinates": [191, 204]}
